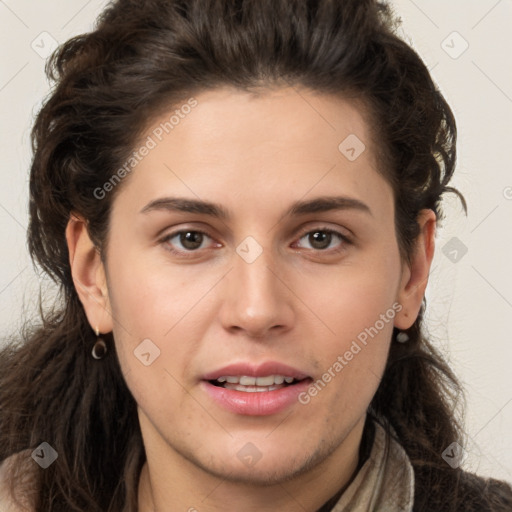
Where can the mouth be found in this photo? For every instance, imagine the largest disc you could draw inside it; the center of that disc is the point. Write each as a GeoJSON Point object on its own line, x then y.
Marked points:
{"type": "Point", "coordinates": [246, 389]}
{"type": "Point", "coordinates": [248, 384]}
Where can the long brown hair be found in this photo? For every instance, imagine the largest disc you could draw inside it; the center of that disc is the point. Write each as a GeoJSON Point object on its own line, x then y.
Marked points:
{"type": "Point", "coordinates": [147, 55]}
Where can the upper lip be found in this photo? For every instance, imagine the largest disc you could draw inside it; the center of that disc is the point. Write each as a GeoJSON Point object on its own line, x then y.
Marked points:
{"type": "Point", "coordinates": [256, 370]}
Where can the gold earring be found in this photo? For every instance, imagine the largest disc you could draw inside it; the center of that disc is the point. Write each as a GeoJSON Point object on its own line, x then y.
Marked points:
{"type": "Point", "coordinates": [100, 347]}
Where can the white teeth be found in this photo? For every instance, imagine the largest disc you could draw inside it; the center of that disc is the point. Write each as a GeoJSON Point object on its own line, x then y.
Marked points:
{"type": "Point", "coordinates": [264, 381]}
{"type": "Point", "coordinates": [249, 381]}
{"type": "Point", "coordinates": [245, 380]}
{"type": "Point", "coordinates": [255, 389]}
{"type": "Point", "coordinates": [252, 389]}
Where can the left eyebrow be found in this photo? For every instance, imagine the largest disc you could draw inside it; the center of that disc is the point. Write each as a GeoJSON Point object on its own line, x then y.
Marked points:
{"type": "Point", "coordinates": [319, 204]}
{"type": "Point", "coordinates": [328, 203]}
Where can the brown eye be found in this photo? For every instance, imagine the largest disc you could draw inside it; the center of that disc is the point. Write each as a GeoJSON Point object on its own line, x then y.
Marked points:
{"type": "Point", "coordinates": [187, 240]}
{"type": "Point", "coordinates": [191, 239]}
{"type": "Point", "coordinates": [321, 239]}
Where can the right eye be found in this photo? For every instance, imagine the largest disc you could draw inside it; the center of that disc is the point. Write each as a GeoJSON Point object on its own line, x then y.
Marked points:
{"type": "Point", "coordinates": [191, 240]}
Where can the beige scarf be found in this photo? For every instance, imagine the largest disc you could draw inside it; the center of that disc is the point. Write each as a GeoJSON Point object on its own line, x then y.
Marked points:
{"type": "Point", "coordinates": [385, 482]}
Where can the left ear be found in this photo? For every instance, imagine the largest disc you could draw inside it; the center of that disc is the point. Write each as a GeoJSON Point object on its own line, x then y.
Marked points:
{"type": "Point", "coordinates": [415, 275]}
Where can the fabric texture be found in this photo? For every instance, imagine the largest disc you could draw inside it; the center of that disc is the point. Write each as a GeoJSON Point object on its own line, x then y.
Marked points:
{"type": "Point", "coordinates": [384, 483]}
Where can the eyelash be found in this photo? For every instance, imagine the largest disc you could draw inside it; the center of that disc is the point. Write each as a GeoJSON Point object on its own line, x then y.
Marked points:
{"type": "Point", "coordinates": [185, 254]}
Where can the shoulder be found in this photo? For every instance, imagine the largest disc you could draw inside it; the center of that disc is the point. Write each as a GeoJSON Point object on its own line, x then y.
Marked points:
{"type": "Point", "coordinates": [10, 470]}
{"type": "Point", "coordinates": [480, 494]}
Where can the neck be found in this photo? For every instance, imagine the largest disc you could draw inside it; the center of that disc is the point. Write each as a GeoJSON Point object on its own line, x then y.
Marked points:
{"type": "Point", "coordinates": [176, 484]}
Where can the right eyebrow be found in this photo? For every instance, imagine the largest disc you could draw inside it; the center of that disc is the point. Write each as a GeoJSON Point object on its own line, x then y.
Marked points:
{"type": "Point", "coordinates": [187, 205]}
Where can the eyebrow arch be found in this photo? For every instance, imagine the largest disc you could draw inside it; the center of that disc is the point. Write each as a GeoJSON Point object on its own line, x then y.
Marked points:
{"type": "Point", "coordinates": [319, 204]}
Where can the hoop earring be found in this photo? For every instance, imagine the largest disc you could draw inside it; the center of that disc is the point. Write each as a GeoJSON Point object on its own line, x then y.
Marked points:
{"type": "Point", "coordinates": [402, 337]}
{"type": "Point", "coordinates": [100, 347]}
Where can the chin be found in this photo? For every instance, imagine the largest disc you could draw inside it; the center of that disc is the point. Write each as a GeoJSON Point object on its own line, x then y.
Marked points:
{"type": "Point", "coordinates": [265, 471]}
{"type": "Point", "coordinates": [262, 476]}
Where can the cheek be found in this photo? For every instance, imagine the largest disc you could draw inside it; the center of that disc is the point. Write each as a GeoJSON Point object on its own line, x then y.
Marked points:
{"type": "Point", "coordinates": [359, 306]}
{"type": "Point", "coordinates": [159, 304]}
{"type": "Point", "coordinates": [362, 322]}
{"type": "Point", "coordinates": [353, 362]}
{"type": "Point", "coordinates": [153, 350]}
{"type": "Point", "coordinates": [356, 297]}
{"type": "Point", "coordinates": [146, 297]}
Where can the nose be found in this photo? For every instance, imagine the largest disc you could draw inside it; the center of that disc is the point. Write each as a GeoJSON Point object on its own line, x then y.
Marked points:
{"type": "Point", "coordinates": [258, 301]}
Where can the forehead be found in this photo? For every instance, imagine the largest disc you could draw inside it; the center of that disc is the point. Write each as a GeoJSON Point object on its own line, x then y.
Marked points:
{"type": "Point", "coordinates": [272, 145]}
{"type": "Point", "coordinates": [266, 120]}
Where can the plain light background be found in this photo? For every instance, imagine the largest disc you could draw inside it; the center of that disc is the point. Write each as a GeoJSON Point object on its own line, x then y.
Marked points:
{"type": "Point", "coordinates": [467, 45]}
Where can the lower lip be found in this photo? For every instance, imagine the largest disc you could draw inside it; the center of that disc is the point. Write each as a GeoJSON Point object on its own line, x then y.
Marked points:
{"type": "Point", "coordinates": [259, 403]}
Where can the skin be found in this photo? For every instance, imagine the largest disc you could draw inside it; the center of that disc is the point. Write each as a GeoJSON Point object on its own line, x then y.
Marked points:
{"type": "Point", "coordinates": [296, 303]}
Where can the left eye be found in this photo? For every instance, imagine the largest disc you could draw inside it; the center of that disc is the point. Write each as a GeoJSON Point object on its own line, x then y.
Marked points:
{"type": "Point", "coordinates": [320, 239]}
{"type": "Point", "coordinates": [190, 240]}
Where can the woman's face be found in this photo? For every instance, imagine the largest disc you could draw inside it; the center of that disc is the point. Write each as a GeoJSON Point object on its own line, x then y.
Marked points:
{"type": "Point", "coordinates": [287, 265]}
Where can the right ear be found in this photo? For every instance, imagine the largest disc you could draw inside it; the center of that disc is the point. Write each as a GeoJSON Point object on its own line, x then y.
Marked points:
{"type": "Point", "coordinates": [88, 274]}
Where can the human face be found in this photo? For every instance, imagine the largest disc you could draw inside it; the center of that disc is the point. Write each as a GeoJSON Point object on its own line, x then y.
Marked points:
{"type": "Point", "coordinates": [259, 291]}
